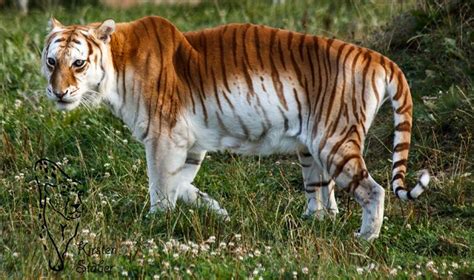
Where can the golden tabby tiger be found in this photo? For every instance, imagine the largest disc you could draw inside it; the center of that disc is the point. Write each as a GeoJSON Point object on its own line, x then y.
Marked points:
{"type": "Point", "coordinates": [246, 88]}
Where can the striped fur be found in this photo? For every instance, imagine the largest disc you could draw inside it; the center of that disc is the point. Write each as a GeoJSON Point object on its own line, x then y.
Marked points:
{"type": "Point", "coordinates": [240, 87]}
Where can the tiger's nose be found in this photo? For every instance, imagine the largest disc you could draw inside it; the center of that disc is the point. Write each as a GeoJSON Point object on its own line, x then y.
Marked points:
{"type": "Point", "coordinates": [60, 94]}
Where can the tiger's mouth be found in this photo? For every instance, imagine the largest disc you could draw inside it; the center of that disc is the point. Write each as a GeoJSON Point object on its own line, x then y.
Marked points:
{"type": "Point", "coordinates": [61, 101]}
{"type": "Point", "coordinates": [67, 105]}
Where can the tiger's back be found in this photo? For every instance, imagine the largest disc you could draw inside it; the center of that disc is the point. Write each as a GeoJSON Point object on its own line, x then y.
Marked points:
{"type": "Point", "coordinates": [298, 86]}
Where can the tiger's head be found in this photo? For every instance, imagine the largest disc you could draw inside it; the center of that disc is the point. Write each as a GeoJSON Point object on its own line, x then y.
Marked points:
{"type": "Point", "coordinates": [74, 62]}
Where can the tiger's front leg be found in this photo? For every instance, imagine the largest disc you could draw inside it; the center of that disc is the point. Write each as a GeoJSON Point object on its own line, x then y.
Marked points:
{"type": "Point", "coordinates": [171, 170]}
{"type": "Point", "coordinates": [165, 159]}
{"type": "Point", "coordinates": [190, 194]}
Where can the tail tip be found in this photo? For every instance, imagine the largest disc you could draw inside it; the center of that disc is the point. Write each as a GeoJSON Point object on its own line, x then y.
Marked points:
{"type": "Point", "coordinates": [424, 178]}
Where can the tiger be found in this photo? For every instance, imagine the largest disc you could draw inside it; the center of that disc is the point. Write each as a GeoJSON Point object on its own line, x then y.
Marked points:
{"type": "Point", "coordinates": [243, 88]}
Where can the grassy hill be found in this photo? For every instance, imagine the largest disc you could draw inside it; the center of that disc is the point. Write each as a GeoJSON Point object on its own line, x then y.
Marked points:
{"type": "Point", "coordinates": [266, 236]}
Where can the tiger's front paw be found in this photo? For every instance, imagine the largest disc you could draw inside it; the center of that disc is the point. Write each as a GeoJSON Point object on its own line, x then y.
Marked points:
{"type": "Point", "coordinates": [222, 213]}
{"type": "Point", "coordinates": [318, 214]}
{"type": "Point", "coordinates": [331, 213]}
{"type": "Point", "coordinates": [368, 236]}
{"type": "Point", "coordinates": [313, 209]}
{"type": "Point", "coordinates": [209, 202]}
{"type": "Point", "coordinates": [158, 208]}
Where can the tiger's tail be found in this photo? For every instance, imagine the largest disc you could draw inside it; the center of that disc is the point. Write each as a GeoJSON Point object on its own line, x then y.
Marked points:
{"type": "Point", "coordinates": [402, 105]}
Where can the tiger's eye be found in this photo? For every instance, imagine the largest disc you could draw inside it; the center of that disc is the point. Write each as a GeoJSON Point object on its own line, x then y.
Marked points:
{"type": "Point", "coordinates": [78, 63]}
{"type": "Point", "coordinates": [51, 61]}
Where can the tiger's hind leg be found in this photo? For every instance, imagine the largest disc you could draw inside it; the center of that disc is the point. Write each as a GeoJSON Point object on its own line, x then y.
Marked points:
{"type": "Point", "coordinates": [349, 170]}
{"type": "Point", "coordinates": [329, 199]}
{"type": "Point", "coordinates": [319, 188]}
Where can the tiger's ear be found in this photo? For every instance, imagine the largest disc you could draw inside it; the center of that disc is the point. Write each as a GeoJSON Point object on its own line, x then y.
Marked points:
{"type": "Point", "coordinates": [54, 24]}
{"type": "Point", "coordinates": [104, 31]}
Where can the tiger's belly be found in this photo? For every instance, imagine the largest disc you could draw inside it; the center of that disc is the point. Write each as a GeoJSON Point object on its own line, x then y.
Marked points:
{"type": "Point", "coordinates": [257, 123]}
{"type": "Point", "coordinates": [272, 142]}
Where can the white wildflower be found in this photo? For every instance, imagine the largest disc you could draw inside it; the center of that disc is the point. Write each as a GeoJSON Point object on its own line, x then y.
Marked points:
{"type": "Point", "coordinates": [430, 265]}
{"type": "Point", "coordinates": [18, 103]}
{"type": "Point", "coordinates": [211, 239]}
{"type": "Point", "coordinates": [204, 247]}
{"type": "Point", "coordinates": [370, 267]}
{"type": "Point", "coordinates": [305, 270]}
{"type": "Point", "coordinates": [183, 248]}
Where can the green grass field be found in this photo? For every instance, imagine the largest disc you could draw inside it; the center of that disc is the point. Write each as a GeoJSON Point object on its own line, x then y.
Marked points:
{"type": "Point", "coordinates": [266, 237]}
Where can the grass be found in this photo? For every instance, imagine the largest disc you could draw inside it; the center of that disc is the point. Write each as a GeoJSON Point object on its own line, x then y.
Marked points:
{"type": "Point", "coordinates": [266, 236]}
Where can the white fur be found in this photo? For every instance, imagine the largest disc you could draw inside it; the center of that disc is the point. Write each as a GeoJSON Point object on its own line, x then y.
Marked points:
{"type": "Point", "coordinates": [425, 178]}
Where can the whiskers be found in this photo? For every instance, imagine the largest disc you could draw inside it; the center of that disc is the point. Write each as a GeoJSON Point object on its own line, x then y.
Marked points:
{"type": "Point", "coordinates": [90, 99]}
